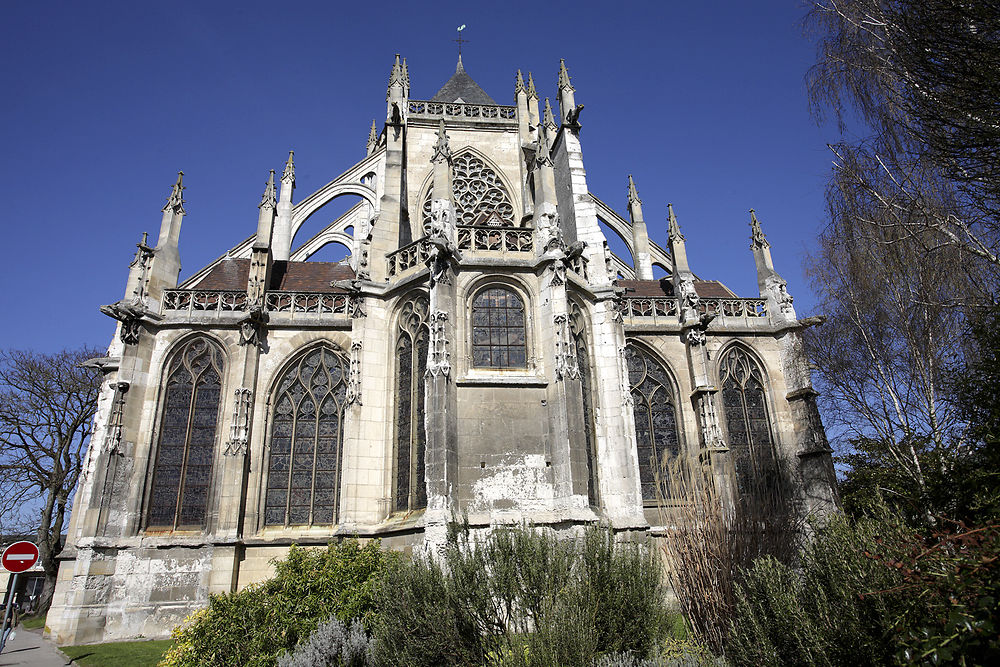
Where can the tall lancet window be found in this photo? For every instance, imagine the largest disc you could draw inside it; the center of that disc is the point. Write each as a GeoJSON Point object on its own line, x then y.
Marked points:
{"type": "Point", "coordinates": [303, 471]}
{"type": "Point", "coordinates": [480, 195]}
{"type": "Point", "coordinates": [578, 325]}
{"type": "Point", "coordinates": [182, 473]}
{"type": "Point", "coordinates": [498, 329]}
{"type": "Point", "coordinates": [411, 362]}
{"type": "Point", "coordinates": [747, 420]}
{"type": "Point", "coordinates": [655, 411]}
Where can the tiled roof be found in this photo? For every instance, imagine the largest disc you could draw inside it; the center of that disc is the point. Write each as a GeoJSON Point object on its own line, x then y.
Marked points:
{"type": "Point", "coordinates": [461, 87]}
{"type": "Point", "coordinates": [232, 274]}
{"type": "Point", "coordinates": [709, 289]}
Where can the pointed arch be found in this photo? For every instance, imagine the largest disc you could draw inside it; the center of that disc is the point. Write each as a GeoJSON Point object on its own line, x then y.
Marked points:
{"type": "Point", "coordinates": [747, 418]}
{"type": "Point", "coordinates": [579, 327]}
{"type": "Point", "coordinates": [412, 337]}
{"type": "Point", "coordinates": [482, 194]}
{"type": "Point", "coordinates": [306, 441]}
{"type": "Point", "coordinates": [189, 420]}
{"type": "Point", "coordinates": [657, 427]}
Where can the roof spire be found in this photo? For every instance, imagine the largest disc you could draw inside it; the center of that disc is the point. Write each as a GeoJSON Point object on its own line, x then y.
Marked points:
{"type": "Point", "coordinates": [268, 199]}
{"type": "Point", "coordinates": [564, 83]}
{"type": "Point", "coordinates": [673, 229]}
{"type": "Point", "coordinates": [372, 139]}
{"type": "Point", "coordinates": [176, 201]}
{"type": "Point", "coordinates": [395, 76]}
{"type": "Point", "coordinates": [548, 120]}
{"type": "Point", "coordinates": [442, 151]}
{"type": "Point", "coordinates": [289, 173]}
{"type": "Point", "coordinates": [532, 93]}
{"type": "Point", "coordinates": [519, 84]}
{"type": "Point", "coordinates": [757, 238]}
{"type": "Point", "coordinates": [633, 195]}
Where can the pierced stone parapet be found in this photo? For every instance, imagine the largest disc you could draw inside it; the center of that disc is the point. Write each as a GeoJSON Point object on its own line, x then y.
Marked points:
{"type": "Point", "coordinates": [473, 112]}
{"type": "Point", "coordinates": [635, 307]}
{"type": "Point", "coordinates": [752, 308]}
{"type": "Point", "coordinates": [410, 256]}
{"type": "Point", "coordinates": [205, 300]}
{"type": "Point", "coordinates": [497, 239]}
{"type": "Point", "coordinates": [318, 303]}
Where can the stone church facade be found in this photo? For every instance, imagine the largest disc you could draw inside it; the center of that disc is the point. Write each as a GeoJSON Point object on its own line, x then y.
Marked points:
{"type": "Point", "coordinates": [480, 354]}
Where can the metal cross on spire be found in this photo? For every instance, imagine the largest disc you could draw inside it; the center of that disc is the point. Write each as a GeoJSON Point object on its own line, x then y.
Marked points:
{"type": "Point", "coordinates": [460, 40]}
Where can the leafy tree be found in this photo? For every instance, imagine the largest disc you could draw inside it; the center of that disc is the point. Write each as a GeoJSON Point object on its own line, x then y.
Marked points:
{"type": "Point", "coordinates": [47, 405]}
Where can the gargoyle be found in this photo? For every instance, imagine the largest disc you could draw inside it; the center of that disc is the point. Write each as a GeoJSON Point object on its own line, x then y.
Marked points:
{"type": "Point", "coordinates": [573, 116]}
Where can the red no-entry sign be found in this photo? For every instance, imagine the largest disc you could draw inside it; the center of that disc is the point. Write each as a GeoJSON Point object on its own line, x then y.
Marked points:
{"type": "Point", "coordinates": [19, 557]}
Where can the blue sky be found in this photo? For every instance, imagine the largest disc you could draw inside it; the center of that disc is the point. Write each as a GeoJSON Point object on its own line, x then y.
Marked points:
{"type": "Point", "coordinates": [704, 103]}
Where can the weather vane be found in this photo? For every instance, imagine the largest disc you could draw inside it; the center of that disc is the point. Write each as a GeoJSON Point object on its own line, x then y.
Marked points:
{"type": "Point", "coordinates": [460, 40]}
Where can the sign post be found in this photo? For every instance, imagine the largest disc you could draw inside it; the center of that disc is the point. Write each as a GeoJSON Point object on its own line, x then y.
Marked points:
{"type": "Point", "coordinates": [17, 558]}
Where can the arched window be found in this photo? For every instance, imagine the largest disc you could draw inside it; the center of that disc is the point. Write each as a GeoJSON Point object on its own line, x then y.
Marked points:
{"type": "Point", "coordinates": [498, 330]}
{"type": "Point", "coordinates": [411, 362]}
{"type": "Point", "coordinates": [655, 412]}
{"type": "Point", "coordinates": [303, 473]}
{"type": "Point", "coordinates": [578, 327]}
{"type": "Point", "coordinates": [182, 473]}
{"type": "Point", "coordinates": [480, 195]}
{"type": "Point", "coordinates": [747, 421]}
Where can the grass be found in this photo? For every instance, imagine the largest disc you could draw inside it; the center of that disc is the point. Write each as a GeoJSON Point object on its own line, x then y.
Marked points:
{"type": "Point", "coordinates": [113, 654]}
{"type": "Point", "coordinates": [33, 622]}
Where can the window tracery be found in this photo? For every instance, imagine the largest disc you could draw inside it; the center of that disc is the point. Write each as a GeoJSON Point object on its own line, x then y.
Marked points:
{"type": "Point", "coordinates": [578, 327]}
{"type": "Point", "coordinates": [182, 472]}
{"type": "Point", "coordinates": [411, 362]}
{"type": "Point", "coordinates": [656, 429]}
{"type": "Point", "coordinates": [480, 195]}
{"type": "Point", "coordinates": [303, 481]}
{"type": "Point", "coordinates": [747, 420]}
{"type": "Point", "coordinates": [498, 329]}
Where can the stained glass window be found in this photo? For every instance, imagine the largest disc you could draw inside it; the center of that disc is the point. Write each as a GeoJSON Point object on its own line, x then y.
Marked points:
{"type": "Point", "coordinates": [498, 332]}
{"type": "Point", "coordinates": [656, 430]}
{"type": "Point", "coordinates": [480, 195]}
{"type": "Point", "coordinates": [586, 382]}
{"type": "Point", "coordinates": [411, 362]}
{"type": "Point", "coordinates": [747, 420]}
{"type": "Point", "coordinates": [303, 479]}
{"type": "Point", "coordinates": [182, 472]}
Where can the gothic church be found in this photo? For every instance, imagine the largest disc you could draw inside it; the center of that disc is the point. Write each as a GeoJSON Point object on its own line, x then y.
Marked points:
{"type": "Point", "coordinates": [481, 353]}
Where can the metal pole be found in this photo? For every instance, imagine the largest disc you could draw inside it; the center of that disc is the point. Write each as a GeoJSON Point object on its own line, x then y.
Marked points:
{"type": "Point", "coordinates": [8, 610]}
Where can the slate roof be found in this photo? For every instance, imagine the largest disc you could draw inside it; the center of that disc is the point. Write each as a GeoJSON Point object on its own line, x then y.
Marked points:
{"type": "Point", "coordinates": [708, 289]}
{"type": "Point", "coordinates": [461, 88]}
{"type": "Point", "coordinates": [232, 274]}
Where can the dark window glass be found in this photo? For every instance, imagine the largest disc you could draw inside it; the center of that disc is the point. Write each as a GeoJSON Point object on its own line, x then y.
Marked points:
{"type": "Point", "coordinates": [498, 336]}
{"type": "Point", "coordinates": [583, 363]}
{"type": "Point", "coordinates": [747, 421]}
{"type": "Point", "coordinates": [182, 472]}
{"type": "Point", "coordinates": [411, 490]}
{"type": "Point", "coordinates": [656, 432]}
{"type": "Point", "coordinates": [303, 480]}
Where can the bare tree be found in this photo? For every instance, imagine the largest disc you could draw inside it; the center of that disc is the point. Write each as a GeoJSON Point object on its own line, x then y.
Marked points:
{"type": "Point", "coordinates": [47, 405]}
{"type": "Point", "coordinates": [924, 76]}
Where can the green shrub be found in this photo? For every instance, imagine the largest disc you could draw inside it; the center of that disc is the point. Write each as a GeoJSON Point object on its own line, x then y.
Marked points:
{"type": "Point", "coordinates": [522, 597]}
{"type": "Point", "coordinates": [253, 626]}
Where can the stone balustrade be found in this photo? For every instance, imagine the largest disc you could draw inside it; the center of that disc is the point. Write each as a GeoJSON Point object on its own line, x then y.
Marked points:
{"type": "Point", "coordinates": [204, 300]}
{"type": "Point", "coordinates": [634, 307]}
{"type": "Point", "coordinates": [499, 239]}
{"type": "Point", "coordinates": [409, 256]}
{"type": "Point", "coordinates": [485, 112]}
{"type": "Point", "coordinates": [317, 303]}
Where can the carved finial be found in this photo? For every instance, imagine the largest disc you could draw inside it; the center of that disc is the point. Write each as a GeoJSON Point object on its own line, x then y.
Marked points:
{"type": "Point", "coordinates": [564, 83]}
{"type": "Point", "coordinates": [442, 152]}
{"type": "Point", "coordinates": [406, 75]}
{"type": "Point", "coordinates": [176, 200]}
{"type": "Point", "coordinates": [633, 195]}
{"type": "Point", "coordinates": [673, 229]}
{"type": "Point", "coordinates": [519, 84]}
{"type": "Point", "coordinates": [459, 67]}
{"type": "Point", "coordinates": [395, 76]}
{"type": "Point", "coordinates": [145, 235]}
{"type": "Point", "coordinates": [757, 239]}
{"type": "Point", "coordinates": [548, 120]}
{"type": "Point", "coordinates": [289, 173]}
{"type": "Point", "coordinates": [268, 199]}
{"type": "Point", "coordinates": [532, 93]}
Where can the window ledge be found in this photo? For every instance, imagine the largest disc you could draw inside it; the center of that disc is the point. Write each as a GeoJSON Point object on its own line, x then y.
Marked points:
{"type": "Point", "coordinates": [519, 380]}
